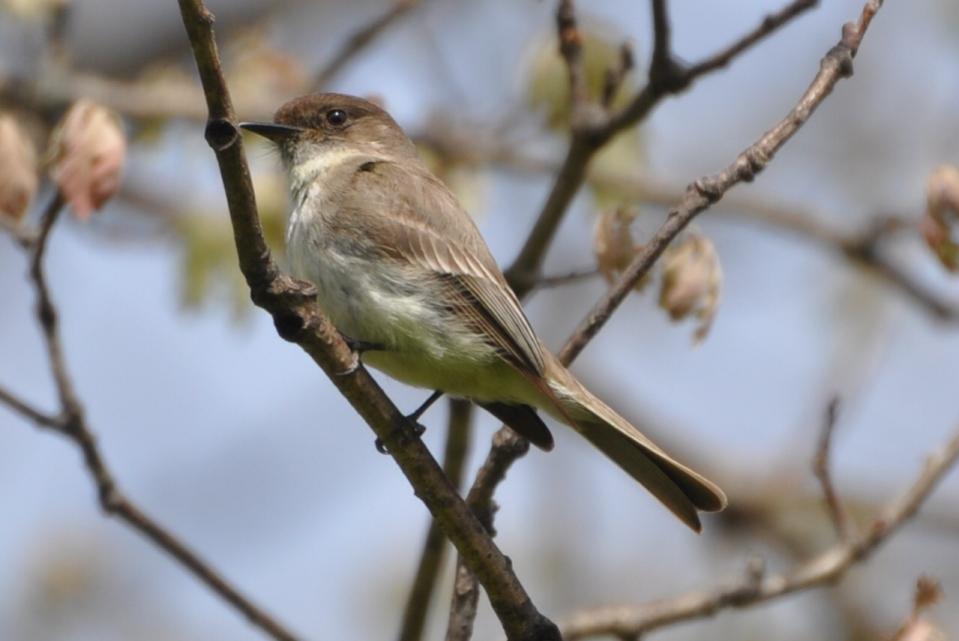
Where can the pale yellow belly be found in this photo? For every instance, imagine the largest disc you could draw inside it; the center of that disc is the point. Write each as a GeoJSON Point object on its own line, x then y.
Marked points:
{"type": "Point", "coordinates": [492, 380]}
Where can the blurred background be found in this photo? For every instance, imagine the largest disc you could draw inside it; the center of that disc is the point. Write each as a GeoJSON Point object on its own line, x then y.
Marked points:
{"type": "Point", "coordinates": [236, 442]}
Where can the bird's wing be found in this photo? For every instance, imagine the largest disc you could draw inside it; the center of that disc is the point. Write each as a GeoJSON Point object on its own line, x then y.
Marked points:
{"type": "Point", "coordinates": [412, 217]}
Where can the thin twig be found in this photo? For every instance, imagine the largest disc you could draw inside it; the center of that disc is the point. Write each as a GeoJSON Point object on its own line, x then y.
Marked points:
{"type": "Point", "coordinates": [571, 50]}
{"type": "Point", "coordinates": [360, 39]}
{"type": "Point", "coordinates": [566, 279]}
{"type": "Point", "coordinates": [47, 313]}
{"type": "Point", "coordinates": [524, 274]}
{"type": "Point", "coordinates": [668, 78]}
{"type": "Point", "coordinates": [615, 76]}
{"type": "Point", "coordinates": [706, 191]}
{"type": "Point", "coordinates": [699, 196]}
{"type": "Point", "coordinates": [29, 412]}
{"type": "Point", "coordinates": [825, 568]}
{"type": "Point", "coordinates": [298, 319]}
{"type": "Point", "coordinates": [662, 67]}
{"type": "Point", "coordinates": [821, 469]}
{"type": "Point", "coordinates": [769, 24]}
{"type": "Point", "coordinates": [73, 424]}
{"type": "Point", "coordinates": [434, 545]}
{"type": "Point", "coordinates": [863, 248]}
{"type": "Point", "coordinates": [508, 447]}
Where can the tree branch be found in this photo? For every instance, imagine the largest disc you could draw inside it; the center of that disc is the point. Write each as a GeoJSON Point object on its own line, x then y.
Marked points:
{"type": "Point", "coordinates": [862, 248]}
{"type": "Point", "coordinates": [666, 78]}
{"type": "Point", "coordinates": [298, 319]}
{"type": "Point", "coordinates": [571, 50]}
{"type": "Point", "coordinates": [699, 196]}
{"type": "Point", "coordinates": [706, 191]}
{"type": "Point", "coordinates": [508, 447]}
{"type": "Point", "coordinates": [434, 545]}
{"type": "Point", "coordinates": [820, 467]}
{"type": "Point", "coordinates": [29, 412]}
{"type": "Point", "coordinates": [828, 567]}
{"type": "Point", "coordinates": [72, 423]}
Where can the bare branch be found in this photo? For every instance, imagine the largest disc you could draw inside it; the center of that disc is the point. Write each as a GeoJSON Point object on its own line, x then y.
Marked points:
{"type": "Point", "coordinates": [298, 319]}
{"type": "Point", "coordinates": [72, 423]}
{"type": "Point", "coordinates": [663, 69]}
{"type": "Point", "coordinates": [361, 39]}
{"type": "Point", "coordinates": [571, 49]}
{"type": "Point", "coordinates": [699, 196]}
{"type": "Point", "coordinates": [566, 279]}
{"type": "Point", "coordinates": [769, 24]}
{"type": "Point", "coordinates": [508, 447]}
{"type": "Point", "coordinates": [825, 568]}
{"type": "Point", "coordinates": [706, 191]}
{"type": "Point", "coordinates": [615, 76]}
{"type": "Point", "coordinates": [434, 546]}
{"type": "Point", "coordinates": [587, 139]}
{"type": "Point", "coordinates": [820, 466]}
{"type": "Point", "coordinates": [463, 605]}
{"type": "Point", "coordinates": [29, 412]}
{"type": "Point", "coordinates": [47, 313]}
{"type": "Point", "coordinates": [862, 248]}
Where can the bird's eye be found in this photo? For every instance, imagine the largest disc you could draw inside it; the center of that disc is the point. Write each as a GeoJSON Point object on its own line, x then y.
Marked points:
{"type": "Point", "coordinates": [336, 117]}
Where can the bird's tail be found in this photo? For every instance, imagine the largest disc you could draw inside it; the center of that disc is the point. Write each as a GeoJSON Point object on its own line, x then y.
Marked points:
{"type": "Point", "coordinates": [679, 488]}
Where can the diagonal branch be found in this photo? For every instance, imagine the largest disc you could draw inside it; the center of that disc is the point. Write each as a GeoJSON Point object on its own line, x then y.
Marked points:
{"type": "Point", "coordinates": [821, 468]}
{"type": "Point", "coordinates": [29, 412]}
{"type": "Point", "coordinates": [434, 545]}
{"type": "Point", "coordinates": [524, 274]}
{"type": "Point", "coordinates": [862, 247]}
{"type": "Point", "coordinates": [300, 320]}
{"type": "Point", "coordinates": [630, 622]}
{"type": "Point", "coordinates": [666, 78]}
{"type": "Point", "coordinates": [508, 447]}
{"type": "Point", "coordinates": [836, 65]}
{"type": "Point", "coordinates": [72, 423]}
{"type": "Point", "coordinates": [708, 190]}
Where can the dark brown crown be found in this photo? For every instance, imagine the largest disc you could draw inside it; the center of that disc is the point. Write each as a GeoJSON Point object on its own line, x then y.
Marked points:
{"type": "Point", "coordinates": [309, 112]}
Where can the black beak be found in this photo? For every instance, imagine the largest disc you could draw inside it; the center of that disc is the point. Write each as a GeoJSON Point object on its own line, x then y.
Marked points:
{"type": "Point", "coordinates": [274, 131]}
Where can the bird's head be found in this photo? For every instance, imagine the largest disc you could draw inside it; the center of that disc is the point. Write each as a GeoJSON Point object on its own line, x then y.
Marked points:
{"type": "Point", "coordinates": [319, 124]}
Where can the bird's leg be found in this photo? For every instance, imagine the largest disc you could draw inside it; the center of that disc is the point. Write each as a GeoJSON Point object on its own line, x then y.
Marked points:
{"type": "Point", "coordinates": [358, 347]}
{"type": "Point", "coordinates": [414, 418]}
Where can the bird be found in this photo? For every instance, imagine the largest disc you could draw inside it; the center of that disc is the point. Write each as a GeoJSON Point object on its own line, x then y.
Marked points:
{"type": "Point", "coordinates": [402, 271]}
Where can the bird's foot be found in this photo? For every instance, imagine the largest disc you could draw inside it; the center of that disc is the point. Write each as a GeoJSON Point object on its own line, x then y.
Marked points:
{"type": "Point", "coordinates": [358, 347]}
{"type": "Point", "coordinates": [418, 430]}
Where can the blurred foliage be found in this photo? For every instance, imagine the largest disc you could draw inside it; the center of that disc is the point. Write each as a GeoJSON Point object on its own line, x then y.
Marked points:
{"type": "Point", "coordinates": [464, 179]}
{"type": "Point", "coordinates": [548, 93]}
{"type": "Point", "coordinates": [74, 587]}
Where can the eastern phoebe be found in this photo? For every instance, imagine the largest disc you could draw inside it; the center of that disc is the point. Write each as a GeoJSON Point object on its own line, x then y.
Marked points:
{"type": "Point", "coordinates": [402, 270]}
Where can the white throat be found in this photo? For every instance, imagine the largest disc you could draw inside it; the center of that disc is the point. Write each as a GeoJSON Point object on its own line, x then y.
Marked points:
{"type": "Point", "coordinates": [317, 165]}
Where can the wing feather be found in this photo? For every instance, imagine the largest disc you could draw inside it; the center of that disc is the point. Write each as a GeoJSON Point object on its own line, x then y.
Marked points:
{"type": "Point", "coordinates": [422, 224]}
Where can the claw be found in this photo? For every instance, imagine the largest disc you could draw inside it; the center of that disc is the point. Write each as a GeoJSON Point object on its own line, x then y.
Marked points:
{"type": "Point", "coordinates": [418, 430]}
